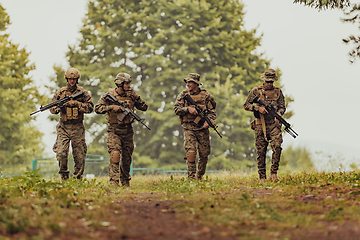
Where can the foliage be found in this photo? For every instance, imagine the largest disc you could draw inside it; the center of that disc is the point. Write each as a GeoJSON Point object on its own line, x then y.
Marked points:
{"type": "Point", "coordinates": [19, 140]}
{"type": "Point", "coordinates": [322, 5]}
{"type": "Point", "coordinates": [297, 158]}
{"type": "Point", "coordinates": [352, 16]}
{"type": "Point", "coordinates": [159, 43]}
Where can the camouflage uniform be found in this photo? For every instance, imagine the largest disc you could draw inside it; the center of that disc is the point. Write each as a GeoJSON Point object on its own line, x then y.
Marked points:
{"type": "Point", "coordinates": [120, 134]}
{"type": "Point", "coordinates": [71, 128]}
{"type": "Point", "coordinates": [196, 137]}
{"type": "Point", "coordinates": [264, 123]}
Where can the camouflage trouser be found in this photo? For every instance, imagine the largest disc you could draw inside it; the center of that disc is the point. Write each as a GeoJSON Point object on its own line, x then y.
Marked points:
{"type": "Point", "coordinates": [120, 140]}
{"type": "Point", "coordinates": [197, 140]}
{"type": "Point", "coordinates": [74, 132]}
{"type": "Point", "coordinates": [274, 136]}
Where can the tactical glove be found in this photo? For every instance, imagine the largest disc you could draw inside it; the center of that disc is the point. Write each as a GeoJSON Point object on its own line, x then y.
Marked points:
{"type": "Point", "coordinates": [55, 110]}
{"type": "Point", "coordinates": [73, 103]}
{"type": "Point", "coordinates": [115, 108]}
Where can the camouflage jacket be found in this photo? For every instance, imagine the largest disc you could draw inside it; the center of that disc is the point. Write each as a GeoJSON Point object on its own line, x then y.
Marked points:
{"type": "Point", "coordinates": [73, 113]}
{"type": "Point", "coordinates": [181, 109]}
{"type": "Point", "coordinates": [129, 96]}
{"type": "Point", "coordinates": [274, 96]}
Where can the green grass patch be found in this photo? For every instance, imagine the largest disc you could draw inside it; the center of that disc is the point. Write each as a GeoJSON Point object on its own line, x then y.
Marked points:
{"type": "Point", "coordinates": [33, 207]}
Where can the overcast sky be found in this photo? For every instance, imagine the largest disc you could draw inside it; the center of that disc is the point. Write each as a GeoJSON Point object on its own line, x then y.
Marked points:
{"type": "Point", "coordinates": [306, 45]}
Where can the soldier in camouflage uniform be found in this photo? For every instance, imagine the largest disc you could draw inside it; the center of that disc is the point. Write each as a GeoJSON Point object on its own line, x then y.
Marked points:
{"type": "Point", "coordinates": [267, 129]}
{"type": "Point", "coordinates": [120, 134]}
{"type": "Point", "coordinates": [196, 136]}
{"type": "Point", "coordinates": [71, 127]}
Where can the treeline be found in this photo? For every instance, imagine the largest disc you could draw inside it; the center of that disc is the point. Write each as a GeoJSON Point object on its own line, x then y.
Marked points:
{"type": "Point", "coordinates": [158, 43]}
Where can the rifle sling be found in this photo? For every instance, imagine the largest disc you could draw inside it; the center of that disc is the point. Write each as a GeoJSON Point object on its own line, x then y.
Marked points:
{"type": "Point", "coordinates": [263, 126]}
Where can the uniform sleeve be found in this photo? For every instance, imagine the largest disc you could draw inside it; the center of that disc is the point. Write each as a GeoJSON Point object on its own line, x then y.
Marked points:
{"type": "Point", "coordinates": [140, 103]}
{"type": "Point", "coordinates": [102, 106]}
{"type": "Point", "coordinates": [281, 104]}
{"type": "Point", "coordinates": [248, 105]}
{"type": "Point", "coordinates": [56, 97]}
{"type": "Point", "coordinates": [87, 105]}
{"type": "Point", "coordinates": [179, 106]}
{"type": "Point", "coordinates": [211, 107]}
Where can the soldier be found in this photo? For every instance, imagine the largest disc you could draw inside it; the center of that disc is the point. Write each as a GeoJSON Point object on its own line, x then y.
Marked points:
{"type": "Point", "coordinates": [267, 129]}
{"type": "Point", "coordinates": [71, 127]}
{"type": "Point", "coordinates": [196, 136]}
{"type": "Point", "coordinates": [120, 134]}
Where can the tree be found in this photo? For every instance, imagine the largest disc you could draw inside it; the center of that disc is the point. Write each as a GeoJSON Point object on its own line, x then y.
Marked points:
{"type": "Point", "coordinates": [352, 16]}
{"type": "Point", "coordinates": [159, 43]}
{"type": "Point", "coordinates": [20, 142]}
{"type": "Point", "coordinates": [321, 5]}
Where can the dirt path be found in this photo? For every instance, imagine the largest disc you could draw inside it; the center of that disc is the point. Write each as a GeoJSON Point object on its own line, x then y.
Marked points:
{"type": "Point", "coordinates": [155, 220]}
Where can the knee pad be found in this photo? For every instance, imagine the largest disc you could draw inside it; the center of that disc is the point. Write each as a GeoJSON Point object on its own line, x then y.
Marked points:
{"type": "Point", "coordinates": [115, 156]}
{"type": "Point", "coordinates": [191, 156]}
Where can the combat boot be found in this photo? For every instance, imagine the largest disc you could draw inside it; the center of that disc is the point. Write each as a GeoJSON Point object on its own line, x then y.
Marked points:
{"type": "Point", "coordinates": [262, 177]}
{"type": "Point", "coordinates": [125, 183]}
{"type": "Point", "coordinates": [64, 176]}
{"type": "Point", "coordinates": [199, 178]}
{"type": "Point", "coordinates": [114, 182]}
{"type": "Point", "coordinates": [274, 177]}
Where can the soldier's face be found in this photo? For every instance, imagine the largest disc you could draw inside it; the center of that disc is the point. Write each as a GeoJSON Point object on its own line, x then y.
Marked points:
{"type": "Point", "coordinates": [268, 84]}
{"type": "Point", "coordinates": [193, 87]}
{"type": "Point", "coordinates": [72, 82]}
{"type": "Point", "coordinates": [126, 86]}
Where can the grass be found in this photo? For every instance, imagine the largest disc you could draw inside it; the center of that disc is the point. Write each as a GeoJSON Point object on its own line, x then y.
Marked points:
{"type": "Point", "coordinates": [35, 208]}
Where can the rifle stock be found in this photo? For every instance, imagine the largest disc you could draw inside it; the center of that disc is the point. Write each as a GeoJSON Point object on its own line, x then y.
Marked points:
{"type": "Point", "coordinates": [201, 114]}
{"type": "Point", "coordinates": [109, 97]}
{"type": "Point", "coordinates": [272, 112]}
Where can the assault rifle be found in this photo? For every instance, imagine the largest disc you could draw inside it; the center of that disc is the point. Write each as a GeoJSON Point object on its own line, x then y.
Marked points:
{"type": "Point", "coordinates": [126, 110]}
{"type": "Point", "coordinates": [60, 103]}
{"type": "Point", "coordinates": [272, 112]}
{"type": "Point", "coordinates": [203, 114]}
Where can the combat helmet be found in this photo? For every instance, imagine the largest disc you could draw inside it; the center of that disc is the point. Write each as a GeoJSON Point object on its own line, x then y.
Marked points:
{"type": "Point", "coordinates": [121, 78]}
{"type": "Point", "coordinates": [269, 75]}
{"type": "Point", "coordinates": [72, 73]}
{"type": "Point", "coordinates": [193, 77]}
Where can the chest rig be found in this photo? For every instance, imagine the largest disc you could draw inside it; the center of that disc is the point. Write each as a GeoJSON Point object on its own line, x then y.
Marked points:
{"type": "Point", "coordinates": [269, 96]}
{"type": "Point", "coordinates": [70, 113]}
{"type": "Point", "coordinates": [199, 99]}
{"type": "Point", "coordinates": [113, 117]}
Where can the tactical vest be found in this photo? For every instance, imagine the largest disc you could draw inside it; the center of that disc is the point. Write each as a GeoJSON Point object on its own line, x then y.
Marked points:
{"type": "Point", "coordinates": [113, 117]}
{"type": "Point", "coordinates": [268, 96]}
{"type": "Point", "coordinates": [199, 99]}
{"type": "Point", "coordinates": [70, 113]}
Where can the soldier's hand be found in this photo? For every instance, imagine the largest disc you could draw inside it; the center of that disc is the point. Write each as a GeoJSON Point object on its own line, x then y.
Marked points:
{"type": "Point", "coordinates": [55, 110]}
{"type": "Point", "coordinates": [192, 110]}
{"type": "Point", "coordinates": [73, 103]}
{"type": "Point", "coordinates": [206, 125]}
{"type": "Point", "coordinates": [263, 110]}
{"type": "Point", "coordinates": [116, 108]}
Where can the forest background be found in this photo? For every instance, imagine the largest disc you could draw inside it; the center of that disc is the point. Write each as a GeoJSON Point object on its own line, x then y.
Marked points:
{"type": "Point", "coordinates": [158, 43]}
